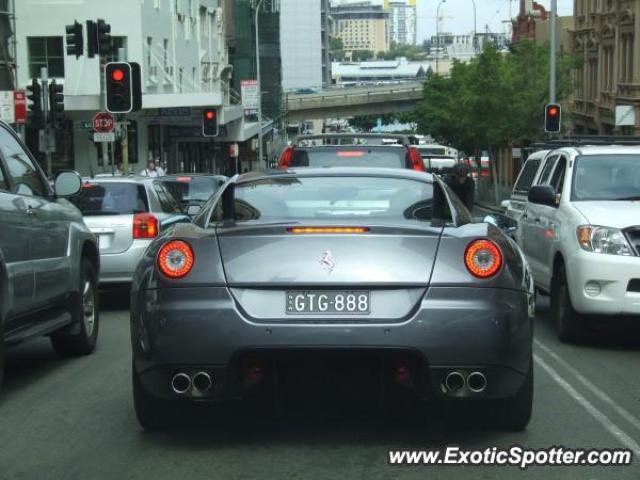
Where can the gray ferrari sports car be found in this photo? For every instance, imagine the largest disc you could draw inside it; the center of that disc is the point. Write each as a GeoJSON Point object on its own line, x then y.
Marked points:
{"type": "Point", "coordinates": [333, 278]}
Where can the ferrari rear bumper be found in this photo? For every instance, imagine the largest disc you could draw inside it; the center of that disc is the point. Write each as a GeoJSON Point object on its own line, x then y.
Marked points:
{"type": "Point", "coordinates": [462, 330]}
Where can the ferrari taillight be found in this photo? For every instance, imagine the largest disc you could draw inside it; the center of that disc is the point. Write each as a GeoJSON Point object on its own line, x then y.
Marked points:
{"type": "Point", "coordinates": [176, 259]}
{"type": "Point", "coordinates": [483, 258]}
{"type": "Point", "coordinates": [286, 158]}
{"type": "Point", "coordinates": [145, 225]}
{"type": "Point", "coordinates": [415, 160]}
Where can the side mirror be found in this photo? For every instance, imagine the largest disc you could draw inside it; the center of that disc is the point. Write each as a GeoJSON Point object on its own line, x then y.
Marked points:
{"type": "Point", "coordinates": [67, 184]}
{"type": "Point", "coordinates": [543, 195]}
{"type": "Point", "coordinates": [193, 210]}
{"type": "Point", "coordinates": [505, 204]}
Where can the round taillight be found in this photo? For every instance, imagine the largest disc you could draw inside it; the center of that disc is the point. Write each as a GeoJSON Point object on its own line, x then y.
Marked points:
{"type": "Point", "coordinates": [176, 259]}
{"type": "Point", "coordinates": [483, 258]}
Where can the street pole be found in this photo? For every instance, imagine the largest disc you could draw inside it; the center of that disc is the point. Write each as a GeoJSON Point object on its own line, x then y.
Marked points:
{"type": "Point", "coordinates": [44, 79]}
{"type": "Point", "coordinates": [475, 26]}
{"type": "Point", "coordinates": [552, 59]}
{"type": "Point", "coordinates": [124, 128]}
{"type": "Point", "coordinates": [438, 36]}
{"type": "Point", "coordinates": [258, 78]}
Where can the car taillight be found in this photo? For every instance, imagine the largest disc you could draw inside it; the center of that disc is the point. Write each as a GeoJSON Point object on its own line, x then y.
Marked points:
{"type": "Point", "coordinates": [483, 258]}
{"type": "Point", "coordinates": [415, 159]}
{"type": "Point", "coordinates": [145, 225]}
{"type": "Point", "coordinates": [176, 259]}
{"type": "Point", "coordinates": [286, 158]}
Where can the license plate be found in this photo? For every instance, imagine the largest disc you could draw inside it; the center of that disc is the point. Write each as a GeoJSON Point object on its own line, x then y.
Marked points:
{"type": "Point", "coordinates": [333, 302]}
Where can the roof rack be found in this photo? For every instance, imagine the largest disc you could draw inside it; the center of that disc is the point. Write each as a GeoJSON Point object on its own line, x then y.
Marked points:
{"type": "Point", "coordinates": [352, 139]}
{"type": "Point", "coordinates": [584, 140]}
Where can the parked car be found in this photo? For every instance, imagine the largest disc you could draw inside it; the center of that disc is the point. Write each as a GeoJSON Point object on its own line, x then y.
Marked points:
{"type": "Point", "coordinates": [372, 277]}
{"type": "Point", "coordinates": [529, 173]}
{"type": "Point", "coordinates": [352, 150]}
{"type": "Point", "coordinates": [581, 235]}
{"type": "Point", "coordinates": [126, 214]}
{"type": "Point", "coordinates": [48, 257]}
{"type": "Point", "coordinates": [192, 190]}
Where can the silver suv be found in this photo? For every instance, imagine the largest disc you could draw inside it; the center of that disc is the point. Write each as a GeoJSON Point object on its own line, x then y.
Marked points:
{"type": "Point", "coordinates": [49, 259]}
{"type": "Point", "coordinates": [126, 214]}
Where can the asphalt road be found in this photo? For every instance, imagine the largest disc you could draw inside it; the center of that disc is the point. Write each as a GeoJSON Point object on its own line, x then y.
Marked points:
{"type": "Point", "coordinates": [74, 419]}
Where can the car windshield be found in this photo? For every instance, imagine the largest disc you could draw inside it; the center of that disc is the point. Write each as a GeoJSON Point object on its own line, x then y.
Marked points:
{"type": "Point", "coordinates": [607, 177]}
{"type": "Point", "coordinates": [192, 189]}
{"type": "Point", "coordinates": [385, 157]}
{"type": "Point", "coordinates": [111, 198]}
{"type": "Point", "coordinates": [342, 198]}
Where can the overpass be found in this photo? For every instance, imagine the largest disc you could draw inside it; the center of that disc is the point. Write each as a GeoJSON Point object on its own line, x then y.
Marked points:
{"type": "Point", "coordinates": [351, 101]}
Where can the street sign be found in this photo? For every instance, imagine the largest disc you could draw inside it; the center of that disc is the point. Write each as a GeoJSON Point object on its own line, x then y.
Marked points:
{"type": "Point", "coordinates": [99, 137]}
{"type": "Point", "coordinates": [234, 150]}
{"type": "Point", "coordinates": [7, 106]}
{"type": "Point", "coordinates": [249, 92]}
{"type": "Point", "coordinates": [625, 115]}
{"type": "Point", "coordinates": [103, 123]}
{"type": "Point", "coordinates": [20, 106]}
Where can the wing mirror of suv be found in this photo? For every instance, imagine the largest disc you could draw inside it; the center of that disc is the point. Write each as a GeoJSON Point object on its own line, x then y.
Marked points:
{"type": "Point", "coordinates": [67, 184]}
{"type": "Point", "coordinates": [543, 195]}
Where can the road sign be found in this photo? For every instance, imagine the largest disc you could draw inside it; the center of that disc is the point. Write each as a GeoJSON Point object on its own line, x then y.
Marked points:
{"type": "Point", "coordinates": [625, 115]}
{"type": "Point", "coordinates": [99, 137]}
{"type": "Point", "coordinates": [234, 150]}
{"type": "Point", "coordinates": [7, 106]}
{"type": "Point", "coordinates": [20, 105]}
{"type": "Point", "coordinates": [249, 92]}
{"type": "Point", "coordinates": [103, 123]}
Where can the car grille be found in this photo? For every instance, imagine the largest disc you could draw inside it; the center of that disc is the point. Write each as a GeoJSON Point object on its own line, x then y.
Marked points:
{"type": "Point", "coordinates": [633, 236]}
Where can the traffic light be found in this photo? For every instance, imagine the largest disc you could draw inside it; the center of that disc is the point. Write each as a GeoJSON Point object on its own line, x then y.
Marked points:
{"type": "Point", "coordinates": [56, 102]}
{"type": "Point", "coordinates": [34, 93]}
{"type": "Point", "coordinates": [552, 118]}
{"type": "Point", "coordinates": [92, 39]}
{"type": "Point", "coordinates": [104, 38]}
{"type": "Point", "coordinates": [119, 87]}
{"type": "Point", "coordinates": [210, 122]}
{"type": "Point", "coordinates": [75, 39]}
{"type": "Point", "coordinates": [136, 89]}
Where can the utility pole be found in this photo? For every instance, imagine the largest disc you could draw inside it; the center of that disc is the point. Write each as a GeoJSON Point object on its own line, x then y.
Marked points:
{"type": "Point", "coordinates": [552, 59]}
{"type": "Point", "coordinates": [258, 78]}
{"type": "Point", "coordinates": [44, 79]}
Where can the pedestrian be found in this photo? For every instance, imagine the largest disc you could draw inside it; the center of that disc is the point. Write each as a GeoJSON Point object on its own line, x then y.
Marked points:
{"type": "Point", "coordinates": [152, 170]}
{"type": "Point", "coordinates": [463, 185]}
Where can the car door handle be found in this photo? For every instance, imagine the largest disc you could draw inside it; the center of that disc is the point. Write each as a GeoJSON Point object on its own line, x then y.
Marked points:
{"type": "Point", "coordinates": [31, 212]}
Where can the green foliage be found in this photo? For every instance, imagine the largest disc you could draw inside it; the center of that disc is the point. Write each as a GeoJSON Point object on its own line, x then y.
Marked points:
{"type": "Point", "coordinates": [411, 52]}
{"type": "Point", "coordinates": [494, 100]}
{"type": "Point", "coordinates": [361, 55]}
{"type": "Point", "coordinates": [368, 122]}
{"type": "Point", "coordinates": [336, 48]}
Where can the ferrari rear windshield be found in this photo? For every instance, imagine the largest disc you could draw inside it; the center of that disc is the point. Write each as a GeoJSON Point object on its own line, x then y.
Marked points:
{"type": "Point", "coordinates": [352, 156]}
{"type": "Point", "coordinates": [335, 198]}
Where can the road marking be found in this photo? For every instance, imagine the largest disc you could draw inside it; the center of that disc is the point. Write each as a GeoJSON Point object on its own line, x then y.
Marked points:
{"type": "Point", "coordinates": [600, 417]}
{"type": "Point", "coordinates": [623, 412]}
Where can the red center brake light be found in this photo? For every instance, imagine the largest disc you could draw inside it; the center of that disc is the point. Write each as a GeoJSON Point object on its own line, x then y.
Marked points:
{"type": "Point", "coordinates": [286, 158]}
{"type": "Point", "coordinates": [145, 225]}
{"type": "Point", "coordinates": [415, 159]}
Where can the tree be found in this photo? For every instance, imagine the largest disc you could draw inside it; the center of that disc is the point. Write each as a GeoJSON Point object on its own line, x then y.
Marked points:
{"type": "Point", "coordinates": [361, 55]}
{"type": "Point", "coordinates": [368, 122]}
{"type": "Point", "coordinates": [336, 48]}
{"type": "Point", "coordinates": [397, 50]}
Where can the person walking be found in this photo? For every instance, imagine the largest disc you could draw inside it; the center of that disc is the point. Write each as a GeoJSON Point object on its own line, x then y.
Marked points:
{"type": "Point", "coordinates": [152, 170]}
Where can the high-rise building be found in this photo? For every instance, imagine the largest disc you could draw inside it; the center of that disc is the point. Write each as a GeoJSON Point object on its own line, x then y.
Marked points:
{"type": "Point", "coordinates": [304, 44]}
{"type": "Point", "coordinates": [402, 21]}
{"type": "Point", "coordinates": [361, 26]}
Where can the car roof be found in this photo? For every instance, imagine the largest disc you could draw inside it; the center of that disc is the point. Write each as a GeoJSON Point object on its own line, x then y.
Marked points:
{"type": "Point", "coordinates": [137, 179]}
{"type": "Point", "coordinates": [605, 149]}
{"type": "Point", "coordinates": [537, 155]}
{"type": "Point", "coordinates": [193, 175]}
{"type": "Point", "coordinates": [338, 172]}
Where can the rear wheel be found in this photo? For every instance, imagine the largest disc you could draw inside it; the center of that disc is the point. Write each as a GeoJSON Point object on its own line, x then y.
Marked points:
{"type": "Point", "coordinates": [153, 414]}
{"type": "Point", "coordinates": [569, 323]}
{"type": "Point", "coordinates": [85, 317]}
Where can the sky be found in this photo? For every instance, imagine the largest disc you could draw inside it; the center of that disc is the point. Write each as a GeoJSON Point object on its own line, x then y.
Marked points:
{"type": "Point", "coordinates": [489, 12]}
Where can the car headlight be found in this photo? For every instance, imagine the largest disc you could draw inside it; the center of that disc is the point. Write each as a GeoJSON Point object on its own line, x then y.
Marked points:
{"type": "Point", "coordinates": [607, 240]}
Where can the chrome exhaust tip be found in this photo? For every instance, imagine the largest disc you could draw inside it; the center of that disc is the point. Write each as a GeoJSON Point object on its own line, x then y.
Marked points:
{"type": "Point", "coordinates": [202, 382]}
{"type": "Point", "coordinates": [477, 382]}
{"type": "Point", "coordinates": [180, 383]}
{"type": "Point", "coordinates": [454, 381]}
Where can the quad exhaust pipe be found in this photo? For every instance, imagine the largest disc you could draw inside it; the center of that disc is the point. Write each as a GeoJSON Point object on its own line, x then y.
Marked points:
{"type": "Point", "coordinates": [202, 382]}
{"type": "Point", "coordinates": [477, 382]}
{"type": "Point", "coordinates": [181, 383]}
{"type": "Point", "coordinates": [455, 381]}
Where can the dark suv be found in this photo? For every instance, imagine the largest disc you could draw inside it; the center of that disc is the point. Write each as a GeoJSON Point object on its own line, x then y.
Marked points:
{"type": "Point", "coordinates": [352, 150]}
{"type": "Point", "coordinates": [48, 257]}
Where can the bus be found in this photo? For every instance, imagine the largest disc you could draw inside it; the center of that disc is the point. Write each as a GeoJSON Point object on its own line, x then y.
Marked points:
{"type": "Point", "coordinates": [438, 158]}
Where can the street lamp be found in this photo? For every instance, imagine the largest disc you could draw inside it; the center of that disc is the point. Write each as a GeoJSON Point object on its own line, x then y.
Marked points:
{"type": "Point", "coordinates": [257, 23]}
{"type": "Point", "coordinates": [475, 25]}
{"type": "Point", "coordinates": [438, 36]}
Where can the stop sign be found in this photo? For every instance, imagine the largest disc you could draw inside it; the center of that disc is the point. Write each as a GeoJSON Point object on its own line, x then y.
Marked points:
{"type": "Point", "coordinates": [103, 122]}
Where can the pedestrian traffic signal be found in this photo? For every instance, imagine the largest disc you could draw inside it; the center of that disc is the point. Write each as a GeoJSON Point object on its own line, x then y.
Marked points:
{"type": "Point", "coordinates": [552, 118]}
{"type": "Point", "coordinates": [104, 38]}
{"type": "Point", "coordinates": [210, 122]}
{"type": "Point", "coordinates": [56, 102]}
{"type": "Point", "coordinates": [119, 87]}
{"type": "Point", "coordinates": [75, 39]}
{"type": "Point", "coordinates": [34, 94]}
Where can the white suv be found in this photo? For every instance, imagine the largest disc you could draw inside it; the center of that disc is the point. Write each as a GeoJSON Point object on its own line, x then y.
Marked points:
{"type": "Point", "coordinates": [580, 231]}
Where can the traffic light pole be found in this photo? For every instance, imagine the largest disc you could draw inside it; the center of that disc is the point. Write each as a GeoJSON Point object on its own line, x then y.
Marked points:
{"type": "Point", "coordinates": [44, 79]}
{"type": "Point", "coordinates": [553, 49]}
{"type": "Point", "coordinates": [103, 145]}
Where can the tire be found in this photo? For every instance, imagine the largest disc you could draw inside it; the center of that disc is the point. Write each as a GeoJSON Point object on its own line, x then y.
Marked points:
{"type": "Point", "coordinates": [82, 336]}
{"type": "Point", "coordinates": [153, 414]}
{"type": "Point", "coordinates": [569, 323]}
{"type": "Point", "coordinates": [515, 412]}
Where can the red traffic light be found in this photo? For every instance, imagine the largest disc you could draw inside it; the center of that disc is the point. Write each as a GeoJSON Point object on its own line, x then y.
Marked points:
{"type": "Point", "coordinates": [210, 114]}
{"type": "Point", "coordinates": [553, 111]}
{"type": "Point", "coordinates": [117, 75]}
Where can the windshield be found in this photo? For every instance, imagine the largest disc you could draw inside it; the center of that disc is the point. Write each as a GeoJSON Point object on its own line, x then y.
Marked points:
{"type": "Point", "coordinates": [336, 198]}
{"type": "Point", "coordinates": [607, 177]}
{"type": "Point", "coordinates": [192, 189]}
{"type": "Point", "coordinates": [111, 199]}
{"type": "Point", "coordinates": [385, 157]}
{"type": "Point", "coordinates": [432, 151]}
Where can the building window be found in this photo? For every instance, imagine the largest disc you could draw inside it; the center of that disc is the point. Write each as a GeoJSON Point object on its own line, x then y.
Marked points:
{"type": "Point", "coordinates": [46, 52]}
